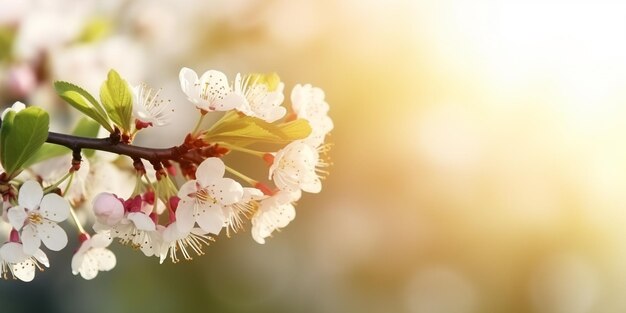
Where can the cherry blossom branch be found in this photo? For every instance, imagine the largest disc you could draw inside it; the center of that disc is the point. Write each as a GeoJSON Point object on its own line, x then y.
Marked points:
{"type": "Point", "coordinates": [112, 145]}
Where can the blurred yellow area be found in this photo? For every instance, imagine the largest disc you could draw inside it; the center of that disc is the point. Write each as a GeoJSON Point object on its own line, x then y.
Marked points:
{"type": "Point", "coordinates": [479, 159]}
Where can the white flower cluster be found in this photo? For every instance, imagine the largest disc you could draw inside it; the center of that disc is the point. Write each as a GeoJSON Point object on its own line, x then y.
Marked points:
{"type": "Point", "coordinates": [160, 218]}
{"type": "Point", "coordinates": [294, 168]}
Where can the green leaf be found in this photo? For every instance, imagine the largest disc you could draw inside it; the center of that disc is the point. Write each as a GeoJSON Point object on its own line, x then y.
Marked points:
{"type": "Point", "coordinates": [117, 100]}
{"type": "Point", "coordinates": [25, 134]}
{"type": "Point", "coordinates": [84, 102]}
{"type": "Point", "coordinates": [246, 130]}
{"type": "Point", "coordinates": [47, 151]}
{"type": "Point", "coordinates": [7, 126]}
{"type": "Point", "coordinates": [85, 128]}
{"type": "Point", "coordinates": [297, 129]}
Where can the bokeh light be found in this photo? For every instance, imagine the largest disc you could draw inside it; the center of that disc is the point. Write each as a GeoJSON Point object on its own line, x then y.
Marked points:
{"type": "Point", "coordinates": [479, 157]}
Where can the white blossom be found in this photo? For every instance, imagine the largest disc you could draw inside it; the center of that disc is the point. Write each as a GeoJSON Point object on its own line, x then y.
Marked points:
{"type": "Point", "coordinates": [208, 92]}
{"type": "Point", "coordinates": [149, 108]}
{"type": "Point", "coordinates": [93, 256]}
{"type": "Point", "coordinates": [236, 212]}
{"type": "Point", "coordinates": [20, 265]}
{"type": "Point", "coordinates": [258, 98]}
{"type": "Point", "coordinates": [308, 103]}
{"type": "Point", "coordinates": [37, 216]}
{"type": "Point", "coordinates": [203, 200]}
{"type": "Point", "coordinates": [273, 213]}
{"type": "Point", "coordinates": [175, 241]}
{"type": "Point", "coordinates": [294, 168]}
{"type": "Point", "coordinates": [136, 228]}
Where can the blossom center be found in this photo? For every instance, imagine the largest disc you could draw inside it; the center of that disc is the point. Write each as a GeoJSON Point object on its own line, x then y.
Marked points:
{"type": "Point", "coordinates": [35, 218]}
{"type": "Point", "coordinates": [203, 196]}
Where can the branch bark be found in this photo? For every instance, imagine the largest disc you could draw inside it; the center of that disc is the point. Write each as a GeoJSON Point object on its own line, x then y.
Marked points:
{"type": "Point", "coordinates": [176, 153]}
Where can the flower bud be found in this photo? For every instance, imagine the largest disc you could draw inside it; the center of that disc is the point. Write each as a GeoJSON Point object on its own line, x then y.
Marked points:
{"type": "Point", "coordinates": [108, 208]}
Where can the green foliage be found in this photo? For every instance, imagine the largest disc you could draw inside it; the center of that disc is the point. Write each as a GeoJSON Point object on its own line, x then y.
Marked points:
{"type": "Point", "coordinates": [85, 128]}
{"type": "Point", "coordinates": [23, 133]}
{"type": "Point", "coordinates": [84, 102]}
{"type": "Point", "coordinates": [245, 130]}
{"type": "Point", "coordinates": [117, 100]}
{"type": "Point", "coordinates": [7, 126]}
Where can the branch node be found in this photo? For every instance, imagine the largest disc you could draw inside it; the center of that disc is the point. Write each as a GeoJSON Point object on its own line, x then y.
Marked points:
{"type": "Point", "coordinates": [115, 137]}
{"type": "Point", "coordinates": [158, 168]}
{"type": "Point", "coordinates": [139, 167]}
{"type": "Point", "coordinates": [76, 159]}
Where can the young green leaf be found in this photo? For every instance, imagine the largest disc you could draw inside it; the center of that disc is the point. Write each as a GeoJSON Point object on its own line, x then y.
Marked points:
{"type": "Point", "coordinates": [7, 125]}
{"type": "Point", "coordinates": [84, 102]}
{"type": "Point", "coordinates": [117, 100]}
{"type": "Point", "coordinates": [246, 130]}
{"type": "Point", "coordinates": [25, 134]}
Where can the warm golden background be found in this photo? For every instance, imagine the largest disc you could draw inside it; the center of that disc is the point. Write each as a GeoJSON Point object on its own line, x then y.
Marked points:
{"type": "Point", "coordinates": [479, 160]}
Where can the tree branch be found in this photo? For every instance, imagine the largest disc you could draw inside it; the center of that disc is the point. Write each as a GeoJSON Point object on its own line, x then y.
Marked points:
{"type": "Point", "coordinates": [177, 153]}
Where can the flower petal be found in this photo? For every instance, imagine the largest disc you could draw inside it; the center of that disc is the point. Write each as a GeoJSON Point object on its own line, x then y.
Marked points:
{"type": "Point", "coordinates": [24, 271]}
{"type": "Point", "coordinates": [187, 190]}
{"type": "Point", "coordinates": [211, 219]}
{"type": "Point", "coordinates": [30, 195]}
{"type": "Point", "coordinates": [184, 216]}
{"type": "Point", "coordinates": [312, 186]}
{"type": "Point", "coordinates": [54, 207]}
{"type": "Point", "coordinates": [189, 82]}
{"type": "Point", "coordinates": [209, 170]}
{"type": "Point", "coordinates": [232, 101]}
{"type": "Point", "coordinates": [13, 252]}
{"type": "Point", "coordinates": [16, 216]}
{"type": "Point", "coordinates": [256, 235]}
{"type": "Point", "coordinates": [285, 214]}
{"type": "Point", "coordinates": [226, 191]}
{"type": "Point", "coordinates": [252, 194]}
{"type": "Point", "coordinates": [106, 259]}
{"type": "Point", "coordinates": [148, 243]}
{"type": "Point", "coordinates": [42, 258]}
{"type": "Point", "coordinates": [101, 240]}
{"type": "Point", "coordinates": [52, 235]}
{"type": "Point", "coordinates": [30, 239]}
{"type": "Point", "coordinates": [89, 267]}
{"type": "Point", "coordinates": [77, 261]}
{"type": "Point", "coordinates": [215, 79]}
{"type": "Point", "coordinates": [142, 221]}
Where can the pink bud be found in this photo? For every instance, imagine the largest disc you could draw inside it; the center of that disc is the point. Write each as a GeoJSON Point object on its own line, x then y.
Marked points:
{"type": "Point", "coordinates": [134, 204]}
{"type": "Point", "coordinates": [108, 208]}
{"type": "Point", "coordinates": [174, 203]}
{"type": "Point", "coordinates": [14, 236]}
{"type": "Point", "coordinates": [148, 197]}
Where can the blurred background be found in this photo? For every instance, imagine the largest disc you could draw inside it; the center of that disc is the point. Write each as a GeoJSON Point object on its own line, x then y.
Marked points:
{"type": "Point", "coordinates": [479, 157]}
